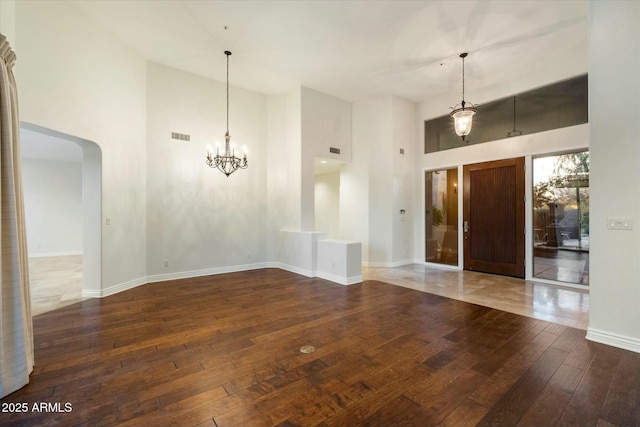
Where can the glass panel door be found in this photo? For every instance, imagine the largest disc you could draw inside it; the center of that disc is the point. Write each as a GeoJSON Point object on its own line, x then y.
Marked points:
{"type": "Point", "coordinates": [441, 216]}
{"type": "Point", "coordinates": [561, 217]}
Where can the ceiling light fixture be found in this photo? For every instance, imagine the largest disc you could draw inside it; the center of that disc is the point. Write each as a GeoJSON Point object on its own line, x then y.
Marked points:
{"type": "Point", "coordinates": [227, 162]}
{"type": "Point", "coordinates": [463, 115]}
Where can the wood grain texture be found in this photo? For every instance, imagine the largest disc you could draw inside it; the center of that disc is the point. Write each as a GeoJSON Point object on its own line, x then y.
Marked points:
{"type": "Point", "coordinates": [494, 210]}
{"type": "Point", "coordinates": [224, 351]}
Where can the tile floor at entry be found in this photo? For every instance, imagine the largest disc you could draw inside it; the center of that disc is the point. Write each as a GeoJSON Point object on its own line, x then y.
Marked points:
{"type": "Point", "coordinates": [57, 282]}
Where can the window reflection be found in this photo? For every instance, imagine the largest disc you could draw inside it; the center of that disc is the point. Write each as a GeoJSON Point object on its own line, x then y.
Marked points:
{"type": "Point", "coordinates": [441, 202]}
{"type": "Point", "coordinates": [561, 217]}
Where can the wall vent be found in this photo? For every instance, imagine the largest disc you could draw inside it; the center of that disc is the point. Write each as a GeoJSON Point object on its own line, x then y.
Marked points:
{"type": "Point", "coordinates": [180, 136]}
{"type": "Point", "coordinates": [334, 150]}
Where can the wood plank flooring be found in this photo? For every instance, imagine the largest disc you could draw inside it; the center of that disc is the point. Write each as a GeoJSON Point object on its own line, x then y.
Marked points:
{"type": "Point", "coordinates": [224, 351]}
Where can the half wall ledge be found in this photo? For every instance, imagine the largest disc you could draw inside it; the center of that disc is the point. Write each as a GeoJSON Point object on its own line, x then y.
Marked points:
{"type": "Point", "coordinates": [340, 261]}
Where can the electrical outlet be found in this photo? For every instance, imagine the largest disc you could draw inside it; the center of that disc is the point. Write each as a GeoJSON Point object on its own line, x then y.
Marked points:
{"type": "Point", "coordinates": [166, 263]}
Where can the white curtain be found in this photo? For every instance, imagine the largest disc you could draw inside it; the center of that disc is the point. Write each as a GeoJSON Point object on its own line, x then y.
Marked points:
{"type": "Point", "coordinates": [16, 326]}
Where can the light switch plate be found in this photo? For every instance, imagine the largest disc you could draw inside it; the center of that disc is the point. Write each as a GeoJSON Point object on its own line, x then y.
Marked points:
{"type": "Point", "coordinates": [619, 223]}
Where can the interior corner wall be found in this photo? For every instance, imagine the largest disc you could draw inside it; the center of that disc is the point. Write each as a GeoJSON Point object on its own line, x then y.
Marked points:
{"type": "Point", "coordinates": [76, 78]}
{"type": "Point", "coordinates": [614, 110]}
{"type": "Point", "coordinates": [284, 154]}
{"type": "Point", "coordinates": [198, 219]}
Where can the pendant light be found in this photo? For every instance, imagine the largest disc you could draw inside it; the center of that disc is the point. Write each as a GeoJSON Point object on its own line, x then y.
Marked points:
{"type": "Point", "coordinates": [463, 115]}
{"type": "Point", "coordinates": [227, 162]}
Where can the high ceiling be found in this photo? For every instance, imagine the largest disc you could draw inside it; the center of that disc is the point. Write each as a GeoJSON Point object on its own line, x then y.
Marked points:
{"type": "Point", "coordinates": [354, 49]}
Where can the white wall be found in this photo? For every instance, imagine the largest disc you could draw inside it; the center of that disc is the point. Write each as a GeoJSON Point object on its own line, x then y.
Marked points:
{"type": "Point", "coordinates": [7, 20]}
{"type": "Point", "coordinates": [325, 123]}
{"type": "Point", "coordinates": [327, 204]}
{"type": "Point", "coordinates": [197, 218]}
{"type": "Point", "coordinates": [76, 78]}
{"type": "Point", "coordinates": [284, 154]}
{"type": "Point", "coordinates": [53, 206]}
{"type": "Point", "coordinates": [379, 182]}
{"type": "Point", "coordinates": [354, 189]}
{"type": "Point", "coordinates": [403, 116]}
{"type": "Point", "coordinates": [372, 148]}
{"type": "Point", "coordinates": [615, 155]}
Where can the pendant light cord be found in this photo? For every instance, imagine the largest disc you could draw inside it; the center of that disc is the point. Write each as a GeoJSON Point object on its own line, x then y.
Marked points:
{"type": "Point", "coordinates": [463, 55]}
{"type": "Point", "coordinates": [463, 78]}
{"type": "Point", "coordinates": [227, 53]}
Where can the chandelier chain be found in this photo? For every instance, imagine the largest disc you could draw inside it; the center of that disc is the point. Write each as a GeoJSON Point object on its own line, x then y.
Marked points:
{"type": "Point", "coordinates": [227, 53]}
{"type": "Point", "coordinates": [463, 78]}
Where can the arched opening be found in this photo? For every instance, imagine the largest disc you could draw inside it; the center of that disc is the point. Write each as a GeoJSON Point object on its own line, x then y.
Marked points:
{"type": "Point", "coordinates": [90, 159]}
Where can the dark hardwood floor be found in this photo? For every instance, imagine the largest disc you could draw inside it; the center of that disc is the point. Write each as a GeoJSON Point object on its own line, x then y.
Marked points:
{"type": "Point", "coordinates": [225, 351]}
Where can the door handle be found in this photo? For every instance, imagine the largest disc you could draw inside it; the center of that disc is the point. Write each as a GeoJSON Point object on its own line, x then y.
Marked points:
{"type": "Point", "coordinates": [465, 226]}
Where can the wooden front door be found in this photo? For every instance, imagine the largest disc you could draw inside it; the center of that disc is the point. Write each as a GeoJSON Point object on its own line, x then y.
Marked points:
{"type": "Point", "coordinates": [493, 215]}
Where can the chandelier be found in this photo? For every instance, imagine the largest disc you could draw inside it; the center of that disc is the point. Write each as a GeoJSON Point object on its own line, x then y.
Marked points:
{"type": "Point", "coordinates": [227, 162]}
{"type": "Point", "coordinates": [462, 115]}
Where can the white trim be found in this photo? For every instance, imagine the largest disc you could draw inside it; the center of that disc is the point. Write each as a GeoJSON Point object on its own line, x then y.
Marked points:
{"type": "Point", "coordinates": [615, 340]}
{"type": "Point", "coordinates": [91, 294]}
{"type": "Point", "coordinates": [170, 276]}
{"type": "Point", "coordinates": [204, 272]}
{"type": "Point", "coordinates": [443, 266]}
{"type": "Point", "coordinates": [296, 270]}
{"type": "Point", "coordinates": [53, 254]}
{"type": "Point", "coordinates": [116, 288]}
{"type": "Point", "coordinates": [340, 280]}
{"type": "Point", "coordinates": [213, 271]}
{"type": "Point", "coordinates": [386, 264]}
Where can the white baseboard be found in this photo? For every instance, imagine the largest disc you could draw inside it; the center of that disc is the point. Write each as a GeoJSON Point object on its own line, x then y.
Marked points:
{"type": "Point", "coordinates": [53, 254]}
{"type": "Point", "coordinates": [442, 266]}
{"type": "Point", "coordinates": [615, 340]}
{"type": "Point", "coordinates": [204, 272]}
{"type": "Point", "coordinates": [212, 271]}
{"type": "Point", "coordinates": [387, 264]}
{"type": "Point", "coordinates": [116, 288]}
{"type": "Point", "coordinates": [340, 280]}
{"type": "Point", "coordinates": [294, 269]}
{"type": "Point", "coordinates": [169, 276]}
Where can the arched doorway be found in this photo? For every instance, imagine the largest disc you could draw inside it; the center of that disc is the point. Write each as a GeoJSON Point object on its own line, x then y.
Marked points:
{"type": "Point", "coordinates": [91, 172]}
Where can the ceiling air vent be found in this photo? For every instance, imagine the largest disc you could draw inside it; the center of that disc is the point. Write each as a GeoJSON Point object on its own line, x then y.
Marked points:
{"type": "Point", "coordinates": [180, 136]}
{"type": "Point", "coordinates": [334, 150]}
